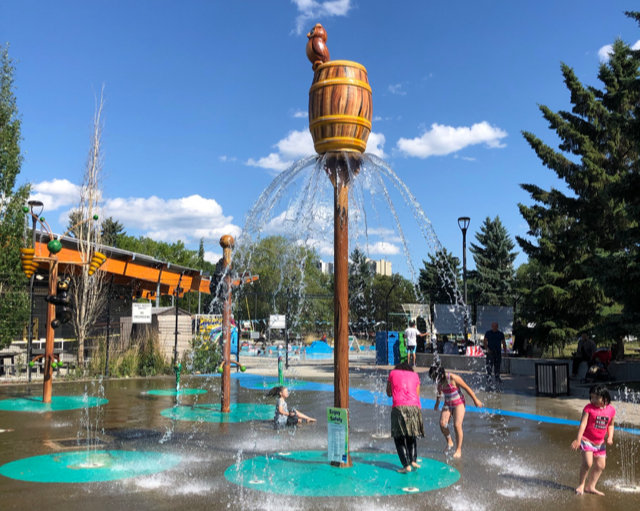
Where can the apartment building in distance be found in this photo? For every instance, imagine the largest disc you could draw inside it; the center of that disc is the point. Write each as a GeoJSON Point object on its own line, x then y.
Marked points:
{"type": "Point", "coordinates": [326, 268]}
{"type": "Point", "coordinates": [381, 267]}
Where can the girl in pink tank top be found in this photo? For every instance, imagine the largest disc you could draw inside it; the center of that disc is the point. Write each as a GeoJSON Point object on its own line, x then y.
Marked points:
{"type": "Point", "coordinates": [450, 387]}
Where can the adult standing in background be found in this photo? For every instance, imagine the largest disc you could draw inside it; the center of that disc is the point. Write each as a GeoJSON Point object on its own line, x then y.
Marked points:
{"type": "Point", "coordinates": [492, 341]}
{"type": "Point", "coordinates": [411, 338]}
{"type": "Point", "coordinates": [586, 348]}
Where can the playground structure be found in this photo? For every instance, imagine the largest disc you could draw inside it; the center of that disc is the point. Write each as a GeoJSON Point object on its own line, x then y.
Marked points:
{"type": "Point", "coordinates": [227, 243]}
{"type": "Point", "coordinates": [30, 263]}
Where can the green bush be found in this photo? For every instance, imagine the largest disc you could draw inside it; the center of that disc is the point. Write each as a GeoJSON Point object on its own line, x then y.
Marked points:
{"type": "Point", "coordinates": [150, 359]}
{"type": "Point", "coordinates": [204, 356]}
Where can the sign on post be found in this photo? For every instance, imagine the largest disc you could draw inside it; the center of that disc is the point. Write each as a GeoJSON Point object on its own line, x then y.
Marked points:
{"type": "Point", "coordinates": [277, 322]}
{"type": "Point", "coordinates": [338, 434]}
{"type": "Point", "coordinates": [141, 312]}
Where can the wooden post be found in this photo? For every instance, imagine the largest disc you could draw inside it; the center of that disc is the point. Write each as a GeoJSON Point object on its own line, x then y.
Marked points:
{"type": "Point", "coordinates": [48, 349]}
{"type": "Point", "coordinates": [226, 242]}
{"type": "Point", "coordinates": [337, 166]}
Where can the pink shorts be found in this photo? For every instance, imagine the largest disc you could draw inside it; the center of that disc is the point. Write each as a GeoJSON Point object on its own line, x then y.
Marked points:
{"type": "Point", "coordinates": [598, 450]}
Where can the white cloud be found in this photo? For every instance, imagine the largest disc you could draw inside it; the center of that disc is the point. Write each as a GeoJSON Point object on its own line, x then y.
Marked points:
{"type": "Point", "coordinates": [228, 158]}
{"type": "Point", "coordinates": [212, 257]}
{"type": "Point", "coordinates": [375, 144]}
{"type": "Point", "coordinates": [607, 49]}
{"type": "Point", "coordinates": [301, 114]}
{"type": "Point", "coordinates": [395, 89]}
{"type": "Point", "coordinates": [466, 158]}
{"type": "Point", "coordinates": [377, 118]}
{"type": "Point", "coordinates": [315, 9]}
{"type": "Point", "coordinates": [603, 53]}
{"type": "Point", "coordinates": [56, 194]}
{"type": "Point", "coordinates": [187, 219]}
{"type": "Point", "coordinates": [382, 247]}
{"type": "Point", "coordinates": [297, 144]}
{"type": "Point", "coordinates": [442, 140]}
{"type": "Point", "coordinates": [272, 162]}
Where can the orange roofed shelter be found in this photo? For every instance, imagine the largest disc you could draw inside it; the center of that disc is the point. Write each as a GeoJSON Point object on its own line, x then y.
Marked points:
{"type": "Point", "coordinates": [148, 277]}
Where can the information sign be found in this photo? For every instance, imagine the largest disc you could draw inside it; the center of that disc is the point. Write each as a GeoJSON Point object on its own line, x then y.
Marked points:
{"type": "Point", "coordinates": [141, 312]}
{"type": "Point", "coordinates": [338, 434]}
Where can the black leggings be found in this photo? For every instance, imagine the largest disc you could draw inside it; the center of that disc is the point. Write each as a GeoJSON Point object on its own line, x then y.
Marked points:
{"type": "Point", "coordinates": [407, 449]}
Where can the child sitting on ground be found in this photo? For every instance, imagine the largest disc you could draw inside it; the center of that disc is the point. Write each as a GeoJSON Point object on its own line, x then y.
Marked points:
{"type": "Point", "coordinates": [283, 417]}
{"type": "Point", "coordinates": [450, 386]}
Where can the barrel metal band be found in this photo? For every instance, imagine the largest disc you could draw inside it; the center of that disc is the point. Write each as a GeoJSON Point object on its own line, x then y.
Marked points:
{"type": "Point", "coordinates": [340, 144]}
{"type": "Point", "coordinates": [341, 63]}
{"type": "Point", "coordinates": [340, 119]}
{"type": "Point", "coordinates": [339, 81]}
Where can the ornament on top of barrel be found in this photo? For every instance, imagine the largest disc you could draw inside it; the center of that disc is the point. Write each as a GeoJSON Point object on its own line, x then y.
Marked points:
{"type": "Point", "coordinates": [340, 106]}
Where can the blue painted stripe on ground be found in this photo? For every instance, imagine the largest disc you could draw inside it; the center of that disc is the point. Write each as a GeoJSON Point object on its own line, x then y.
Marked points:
{"type": "Point", "coordinates": [373, 397]}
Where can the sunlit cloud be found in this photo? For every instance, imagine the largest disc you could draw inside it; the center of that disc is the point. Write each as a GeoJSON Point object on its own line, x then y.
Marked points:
{"type": "Point", "coordinates": [299, 144]}
{"type": "Point", "coordinates": [375, 144]}
{"type": "Point", "coordinates": [313, 10]}
{"type": "Point", "coordinates": [300, 114]}
{"type": "Point", "coordinates": [187, 219]}
{"type": "Point", "coordinates": [395, 89]}
{"type": "Point", "coordinates": [56, 194]}
{"type": "Point", "coordinates": [384, 248]}
{"type": "Point", "coordinates": [605, 52]}
{"type": "Point", "coordinates": [441, 140]}
{"type": "Point", "coordinates": [296, 145]}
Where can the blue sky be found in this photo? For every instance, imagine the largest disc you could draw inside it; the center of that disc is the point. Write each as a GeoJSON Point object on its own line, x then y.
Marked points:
{"type": "Point", "coordinates": [206, 101]}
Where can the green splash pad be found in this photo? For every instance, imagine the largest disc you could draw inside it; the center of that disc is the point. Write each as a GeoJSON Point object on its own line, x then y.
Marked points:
{"type": "Point", "coordinates": [58, 403]}
{"type": "Point", "coordinates": [174, 392]}
{"type": "Point", "coordinates": [309, 474]}
{"type": "Point", "coordinates": [241, 412]}
{"type": "Point", "coordinates": [88, 466]}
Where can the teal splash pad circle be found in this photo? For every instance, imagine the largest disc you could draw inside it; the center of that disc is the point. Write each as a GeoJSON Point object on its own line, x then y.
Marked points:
{"type": "Point", "coordinates": [174, 392]}
{"type": "Point", "coordinates": [309, 474]}
{"type": "Point", "coordinates": [58, 403]}
{"type": "Point", "coordinates": [88, 466]}
{"type": "Point", "coordinates": [241, 412]}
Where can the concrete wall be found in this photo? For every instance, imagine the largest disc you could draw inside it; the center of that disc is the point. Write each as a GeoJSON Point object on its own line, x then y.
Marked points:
{"type": "Point", "coordinates": [621, 371]}
{"type": "Point", "coordinates": [166, 331]}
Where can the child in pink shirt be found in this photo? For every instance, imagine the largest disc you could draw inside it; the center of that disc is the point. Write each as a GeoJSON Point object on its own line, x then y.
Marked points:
{"type": "Point", "coordinates": [406, 416]}
{"type": "Point", "coordinates": [596, 423]}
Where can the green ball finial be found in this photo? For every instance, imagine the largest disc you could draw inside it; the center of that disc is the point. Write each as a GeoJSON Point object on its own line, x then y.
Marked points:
{"type": "Point", "coordinates": [42, 219]}
{"type": "Point", "coordinates": [25, 209]}
{"type": "Point", "coordinates": [95, 217]}
{"type": "Point", "coordinates": [54, 246]}
{"type": "Point", "coordinates": [221, 369]}
{"type": "Point", "coordinates": [54, 365]}
{"type": "Point", "coordinates": [243, 369]}
{"type": "Point", "coordinates": [32, 363]}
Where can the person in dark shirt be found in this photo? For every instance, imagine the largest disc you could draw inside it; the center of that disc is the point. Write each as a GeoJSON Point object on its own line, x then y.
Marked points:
{"type": "Point", "coordinates": [493, 340]}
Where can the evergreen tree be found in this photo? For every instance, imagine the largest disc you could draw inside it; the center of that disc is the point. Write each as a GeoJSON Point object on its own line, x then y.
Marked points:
{"type": "Point", "coordinates": [112, 230]}
{"type": "Point", "coordinates": [618, 269]}
{"type": "Point", "coordinates": [573, 229]}
{"type": "Point", "coordinates": [440, 278]}
{"type": "Point", "coordinates": [14, 300]}
{"type": "Point", "coordinates": [494, 259]}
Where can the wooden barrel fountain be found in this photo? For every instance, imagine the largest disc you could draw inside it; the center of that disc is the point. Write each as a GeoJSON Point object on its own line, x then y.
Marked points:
{"type": "Point", "coordinates": [340, 107]}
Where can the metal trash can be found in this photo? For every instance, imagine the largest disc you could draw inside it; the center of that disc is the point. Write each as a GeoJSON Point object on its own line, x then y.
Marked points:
{"type": "Point", "coordinates": [552, 379]}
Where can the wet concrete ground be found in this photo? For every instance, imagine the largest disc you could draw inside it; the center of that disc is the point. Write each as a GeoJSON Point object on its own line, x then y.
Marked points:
{"type": "Point", "coordinates": [508, 463]}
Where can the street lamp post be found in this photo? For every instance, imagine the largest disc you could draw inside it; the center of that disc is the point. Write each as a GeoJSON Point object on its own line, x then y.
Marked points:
{"type": "Point", "coordinates": [34, 216]}
{"type": "Point", "coordinates": [463, 223]}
